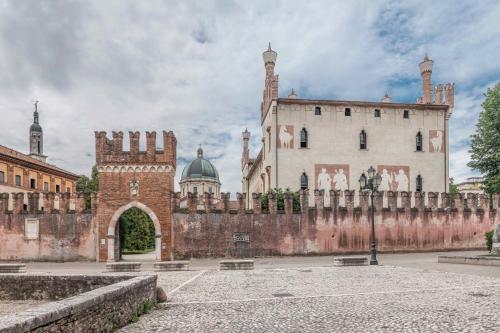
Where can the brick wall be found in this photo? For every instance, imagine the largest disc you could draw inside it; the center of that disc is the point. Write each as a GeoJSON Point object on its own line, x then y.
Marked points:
{"type": "Point", "coordinates": [455, 224]}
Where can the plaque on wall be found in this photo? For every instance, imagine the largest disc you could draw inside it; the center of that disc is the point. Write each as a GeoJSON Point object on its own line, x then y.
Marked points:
{"type": "Point", "coordinates": [31, 228]}
{"type": "Point", "coordinates": [241, 237]}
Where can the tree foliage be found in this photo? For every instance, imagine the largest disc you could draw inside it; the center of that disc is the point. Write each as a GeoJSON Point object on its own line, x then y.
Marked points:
{"type": "Point", "coordinates": [485, 143]}
{"type": "Point", "coordinates": [137, 231]}
{"type": "Point", "coordinates": [87, 185]}
{"type": "Point", "coordinates": [281, 199]}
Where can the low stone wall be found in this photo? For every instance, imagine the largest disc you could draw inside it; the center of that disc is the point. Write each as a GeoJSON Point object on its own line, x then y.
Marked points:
{"type": "Point", "coordinates": [469, 260]}
{"type": "Point", "coordinates": [100, 310]}
{"type": "Point", "coordinates": [51, 287]}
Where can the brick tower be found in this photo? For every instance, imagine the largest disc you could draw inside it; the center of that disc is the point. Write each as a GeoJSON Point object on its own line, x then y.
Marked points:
{"type": "Point", "coordinates": [134, 178]}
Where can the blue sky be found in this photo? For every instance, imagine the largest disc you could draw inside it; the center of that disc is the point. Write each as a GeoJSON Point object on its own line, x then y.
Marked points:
{"type": "Point", "coordinates": [196, 67]}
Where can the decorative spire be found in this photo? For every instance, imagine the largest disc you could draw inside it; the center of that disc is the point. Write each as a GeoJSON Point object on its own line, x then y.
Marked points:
{"type": "Point", "coordinates": [292, 94]}
{"type": "Point", "coordinates": [386, 98]}
{"type": "Point", "coordinates": [35, 114]}
{"type": "Point", "coordinates": [269, 55]}
{"type": "Point", "coordinates": [269, 47]}
{"type": "Point", "coordinates": [426, 57]}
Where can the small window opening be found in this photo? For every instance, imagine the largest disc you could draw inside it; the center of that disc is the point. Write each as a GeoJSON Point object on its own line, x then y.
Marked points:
{"type": "Point", "coordinates": [317, 111]}
{"type": "Point", "coordinates": [376, 113]}
{"type": "Point", "coordinates": [303, 138]}
{"type": "Point", "coordinates": [32, 183]}
{"type": "Point", "coordinates": [406, 114]}
{"type": "Point", "coordinates": [58, 188]}
{"type": "Point", "coordinates": [362, 140]}
{"type": "Point", "coordinates": [418, 142]}
{"type": "Point", "coordinates": [418, 186]}
{"type": "Point", "coordinates": [347, 112]}
{"type": "Point", "coordinates": [18, 180]}
{"type": "Point", "coordinates": [303, 181]}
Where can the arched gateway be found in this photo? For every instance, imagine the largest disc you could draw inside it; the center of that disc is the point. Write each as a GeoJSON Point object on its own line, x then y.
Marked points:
{"type": "Point", "coordinates": [140, 179]}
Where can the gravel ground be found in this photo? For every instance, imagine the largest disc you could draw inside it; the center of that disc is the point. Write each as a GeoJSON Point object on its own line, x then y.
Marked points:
{"type": "Point", "coordinates": [329, 299]}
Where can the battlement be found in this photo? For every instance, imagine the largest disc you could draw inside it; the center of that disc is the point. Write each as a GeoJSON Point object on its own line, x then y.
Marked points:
{"type": "Point", "coordinates": [348, 200]}
{"type": "Point", "coordinates": [47, 203]}
{"type": "Point", "coordinates": [110, 151]}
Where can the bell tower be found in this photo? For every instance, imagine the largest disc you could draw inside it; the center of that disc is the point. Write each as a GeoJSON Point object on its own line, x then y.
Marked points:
{"type": "Point", "coordinates": [36, 137]}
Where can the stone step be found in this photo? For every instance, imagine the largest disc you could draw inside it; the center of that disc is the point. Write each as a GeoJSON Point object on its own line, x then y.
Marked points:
{"type": "Point", "coordinates": [12, 268]}
{"type": "Point", "coordinates": [180, 265]}
{"type": "Point", "coordinates": [350, 261]}
{"type": "Point", "coordinates": [236, 264]}
{"type": "Point", "coordinates": [123, 266]}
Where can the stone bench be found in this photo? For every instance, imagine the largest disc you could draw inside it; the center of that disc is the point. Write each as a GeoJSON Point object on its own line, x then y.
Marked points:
{"type": "Point", "coordinates": [350, 261]}
{"type": "Point", "coordinates": [469, 260]}
{"type": "Point", "coordinates": [123, 267]}
{"type": "Point", "coordinates": [12, 268]}
{"type": "Point", "coordinates": [235, 265]}
{"type": "Point", "coordinates": [163, 266]}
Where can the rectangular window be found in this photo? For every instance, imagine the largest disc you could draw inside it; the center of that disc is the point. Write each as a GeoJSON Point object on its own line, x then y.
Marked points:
{"type": "Point", "coordinates": [18, 180]}
{"type": "Point", "coordinates": [2, 177]}
{"type": "Point", "coordinates": [210, 189]}
{"type": "Point", "coordinates": [68, 190]}
{"type": "Point", "coordinates": [376, 113]}
{"type": "Point", "coordinates": [58, 188]}
{"type": "Point", "coordinates": [347, 112]}
{"type": "Point", "coordinates": [406, 114]}
{"type": "Point", "coordinates": [46, 187]}
{"type": "Point", "coordinates": [195, 189]}
{"type": "Point", "coordinates": [317, 111]}
{"type": "Point", "coordinates": [32, 183]}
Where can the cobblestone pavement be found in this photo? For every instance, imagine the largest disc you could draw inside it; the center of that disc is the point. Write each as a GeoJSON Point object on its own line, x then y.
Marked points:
{"type": "Point", "coordinates": [329, 299]}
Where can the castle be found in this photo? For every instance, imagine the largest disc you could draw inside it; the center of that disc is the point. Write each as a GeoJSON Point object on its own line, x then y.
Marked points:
{"type": "Point", "coordinates": [328, 144]}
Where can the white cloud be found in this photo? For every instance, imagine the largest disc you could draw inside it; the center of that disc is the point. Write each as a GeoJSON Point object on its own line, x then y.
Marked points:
{"type": "Point", "coordinates": [196, 67]}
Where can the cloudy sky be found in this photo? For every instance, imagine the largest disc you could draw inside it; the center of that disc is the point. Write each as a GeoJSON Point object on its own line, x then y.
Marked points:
{"type": "Point", "coordinates": [196, 67]}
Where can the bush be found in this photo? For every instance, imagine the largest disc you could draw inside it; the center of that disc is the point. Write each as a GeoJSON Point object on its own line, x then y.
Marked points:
{"type": "Point", "coordinates": [489, 239]}
{"type": "Point", "coordinates": [281, 200]}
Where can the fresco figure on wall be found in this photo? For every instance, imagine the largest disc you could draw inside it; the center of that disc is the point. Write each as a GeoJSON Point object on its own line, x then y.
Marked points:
{"type": "Point", "coordinates": [402, 181]}
{"type": "Point", "coordinates": [386, 183]}
{"type": "Point", "coordinates": [340, 180]}
{"type": "Point", "coordinates": [324, 181]}
{"type": "Point", "coordinates": [436, 141]}
{"type": "Point", "coordinates": [285, 137]}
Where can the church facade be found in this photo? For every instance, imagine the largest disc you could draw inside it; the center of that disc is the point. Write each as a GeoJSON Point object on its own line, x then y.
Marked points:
{"type": "Point", "coordinates": [327, 144]}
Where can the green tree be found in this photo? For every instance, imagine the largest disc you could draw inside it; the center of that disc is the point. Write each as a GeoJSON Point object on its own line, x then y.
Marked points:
{"type": "Point", "coordinates": [485, 143]}
{"type": "Point", "coordinates": [137, 231]}
{"type": "Point", "coordinates": [87, 185]}
{"type": "Point", "coordinates": [281, 199]}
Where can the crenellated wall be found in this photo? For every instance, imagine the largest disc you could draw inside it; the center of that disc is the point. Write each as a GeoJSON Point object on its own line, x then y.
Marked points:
{"type": "Point", "coordinates": [63, 231]}
{"type": "Point", "coordinates": [335, 224]}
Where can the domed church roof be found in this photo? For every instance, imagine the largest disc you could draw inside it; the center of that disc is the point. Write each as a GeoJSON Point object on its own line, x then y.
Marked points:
{"type": "Point", "coordinates": [200, 168]}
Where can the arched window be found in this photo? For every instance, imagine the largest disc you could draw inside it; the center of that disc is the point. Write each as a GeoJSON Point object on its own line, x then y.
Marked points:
{"type": "Point", "coordinates": [317, 111]}
{"type": "Point", "coordinates": [418, 184]}
{"type": "Point", "coordinates": [303, 181]}
{"type": "Point", "coordinates": [303, 138]}
{"type": "Point", "coordinates": [418, 141]}
{"type": "Point", "coordinates": [362, 140]}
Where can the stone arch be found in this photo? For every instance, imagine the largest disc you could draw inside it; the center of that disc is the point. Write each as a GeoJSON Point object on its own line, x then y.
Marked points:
{"type": "Point", "coordinates": [114, 220]}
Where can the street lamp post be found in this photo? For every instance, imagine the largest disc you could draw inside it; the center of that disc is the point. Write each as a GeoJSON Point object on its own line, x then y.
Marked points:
{"type": "Point", "coordinates": [371, 183]}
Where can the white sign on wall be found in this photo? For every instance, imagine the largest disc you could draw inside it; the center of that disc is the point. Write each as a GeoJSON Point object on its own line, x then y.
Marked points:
{"type": "Point", "coordinates": [31, 228]}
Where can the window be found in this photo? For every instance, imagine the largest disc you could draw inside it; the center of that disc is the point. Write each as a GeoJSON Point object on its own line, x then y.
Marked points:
{"type": "Point", "coordinates": [362, 140]}
{"type": "Point", "coordinates": [2, 177]}
{"type": "Point", "coordinates": [32, 183]}
{"type": "Point", "coordinates": [418, 186]}
{"type": "Point", "coordinates": [317, 111]}
{"type": "Point", "coordinates": [195, 189]}
{"type": "Point", "coordinates": [210, 189]}
{"type": "Point", "coordinates": [68, 190]}
{"type": "Point", "coordinates": [406, 114]}
{"type": "Point", "coordinates": [303, 181]}
{"type": "Point", "coordinates": [418, 141]}
{"type": "Point", "coordinates": [376, 113]}
{"type": "Point", "coordinates": [303, 138]}
{"type": "Point", "coordinates": [347, 112]}
{"type": "Point", "coordinates": [46, 186]}
{"type": "Point", "coordinates": [18, 180]}
{"type": "Point", "coordinates": [58, 188]}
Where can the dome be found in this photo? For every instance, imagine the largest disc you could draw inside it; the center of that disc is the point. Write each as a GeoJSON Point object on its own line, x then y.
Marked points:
{"type": "Point", "coordinates": [200, 168]}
